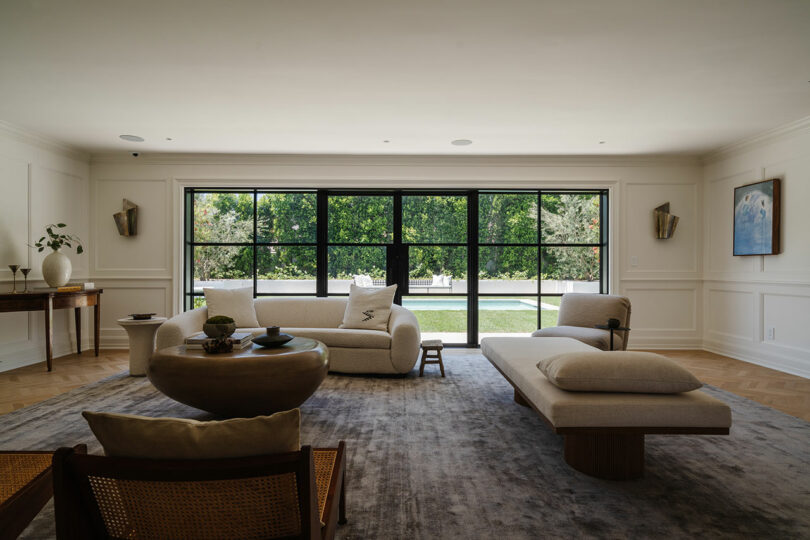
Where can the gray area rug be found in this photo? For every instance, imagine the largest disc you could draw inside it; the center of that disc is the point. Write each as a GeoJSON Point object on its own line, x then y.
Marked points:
{"type": "Point", "coordinates": [458, 458]}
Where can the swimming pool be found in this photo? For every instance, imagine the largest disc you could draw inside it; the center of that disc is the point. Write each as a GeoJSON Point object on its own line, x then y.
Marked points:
{"type": "Point", "coordinates": [453, 304]}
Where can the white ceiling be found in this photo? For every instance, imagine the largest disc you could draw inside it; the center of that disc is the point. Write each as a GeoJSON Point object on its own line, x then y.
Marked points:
{"type": "Point", "coordinates": [342, 76]}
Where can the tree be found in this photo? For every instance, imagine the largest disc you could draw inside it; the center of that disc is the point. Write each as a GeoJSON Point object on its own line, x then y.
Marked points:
{"type": "Point", "coordinates": [573, 220]}
{"type": "Point", "coordinates": [216, 219]}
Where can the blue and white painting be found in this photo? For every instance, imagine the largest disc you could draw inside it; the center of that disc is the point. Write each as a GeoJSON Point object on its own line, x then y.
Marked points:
{"type": "Point", "coordinates": [754, 219]}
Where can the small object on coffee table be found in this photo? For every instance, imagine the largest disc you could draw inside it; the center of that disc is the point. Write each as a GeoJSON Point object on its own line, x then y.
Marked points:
{"type": "Point", "coordinates": [427, 358]}
{"type": "Point", "coordinates": [141, 316]}
{"type": "Point", "coordinates": [219, 326]}
{"type": "Point", "coordinates": [273, 338]}
{"type": "Point", "coordinates": [613, 326]}
{"type": "Point", "coordinates": [222, 344]}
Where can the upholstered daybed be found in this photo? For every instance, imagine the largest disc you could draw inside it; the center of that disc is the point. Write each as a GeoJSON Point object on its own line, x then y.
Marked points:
{"type": "Point", "coordinates": [604, 431]}
{"type": "Point", "coordinates": [393, 351]}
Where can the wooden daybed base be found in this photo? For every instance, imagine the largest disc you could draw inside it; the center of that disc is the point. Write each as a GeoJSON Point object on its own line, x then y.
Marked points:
{"type": "Point", "coordinates": [609, 452]}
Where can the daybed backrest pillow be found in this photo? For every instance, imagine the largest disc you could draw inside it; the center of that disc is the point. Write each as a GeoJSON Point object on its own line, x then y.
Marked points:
{"type": "Point", "coordinates": [234, 303]}
{"type": "Point", "coordinates": [127, 435]}
{"type": "Point", "coordinates": [368, 309]}
{"type": "Point", "coordinates": [618, 371]}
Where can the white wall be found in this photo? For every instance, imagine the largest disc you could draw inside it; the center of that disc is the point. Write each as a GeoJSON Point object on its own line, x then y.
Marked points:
{"type": "Point", "coordinates": [42, 182]}
{"type": "Point", "coordinates": [745, 296]}
{"type": "Point", "coordinates": [143, 274]}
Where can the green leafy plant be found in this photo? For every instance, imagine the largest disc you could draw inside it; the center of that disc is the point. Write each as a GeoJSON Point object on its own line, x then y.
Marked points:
{"type": "Point", "coordinates": [219, 319]}
{"type": "Point", "coordinates": [56, 239]}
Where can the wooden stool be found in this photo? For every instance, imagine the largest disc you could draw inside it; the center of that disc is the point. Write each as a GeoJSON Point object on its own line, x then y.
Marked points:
{"type": "Point", "coordinates": [431, 345]}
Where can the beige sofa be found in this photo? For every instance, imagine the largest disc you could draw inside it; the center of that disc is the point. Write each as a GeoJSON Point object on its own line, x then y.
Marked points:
{"type": "Point", "coordinates": [350, 350]}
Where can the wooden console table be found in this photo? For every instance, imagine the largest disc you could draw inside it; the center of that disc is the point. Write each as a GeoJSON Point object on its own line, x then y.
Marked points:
{"type": "Point", "coordinates": [48, 301]}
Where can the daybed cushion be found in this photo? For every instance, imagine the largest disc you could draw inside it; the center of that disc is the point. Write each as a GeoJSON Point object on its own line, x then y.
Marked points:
{"type": "Point", "coordinates": [617, 371]}
{"type": "Point", "coordinates": [234, 303]}
{"type": "Point", "coordinates": [517, 358]}
{"type": "Point", "coordinates": [368, 308]}
{"type": "Point", "coordinates": [594, 337]}
{"type": "Point", "coordinates": [126, 435]}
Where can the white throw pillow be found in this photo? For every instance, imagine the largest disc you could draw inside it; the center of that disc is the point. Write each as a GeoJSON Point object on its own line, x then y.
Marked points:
{"type": "Point", "coordinates": [234, 303]}
{"type": "Point", "coordinates": [368, 309]}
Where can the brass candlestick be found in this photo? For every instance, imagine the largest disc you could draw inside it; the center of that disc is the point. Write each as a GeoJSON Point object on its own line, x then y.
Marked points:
{"type": "Point", "coordinates": [14, 268]}
{"type": "Point", "coordinates": [25, 272]}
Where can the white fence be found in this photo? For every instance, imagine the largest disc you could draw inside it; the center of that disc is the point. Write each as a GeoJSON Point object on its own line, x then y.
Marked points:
{"type": "Point", "coordinates": [341, 286]}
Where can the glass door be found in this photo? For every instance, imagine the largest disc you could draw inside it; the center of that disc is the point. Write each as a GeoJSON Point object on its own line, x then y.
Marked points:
{"type": "Point", "coordinates": [359, 234]}
{"type": "Point", "coordinates": [434, 237]}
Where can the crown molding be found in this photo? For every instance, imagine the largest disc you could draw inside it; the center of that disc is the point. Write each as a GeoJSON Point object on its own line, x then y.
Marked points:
{"type": "Point", "coordinates": [761, 139]}
{"type": "Point", "coordinates": [43, 141]}
{"type": "Point", "coordinates": [366, 160]}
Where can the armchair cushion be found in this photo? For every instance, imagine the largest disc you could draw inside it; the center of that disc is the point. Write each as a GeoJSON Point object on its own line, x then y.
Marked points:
{"type": "Point", "coordinates": [581, 309]}
{"type": "Point", "coordinates": [594, 337]}
{"type": "Point", "coordinates": [126, 435]}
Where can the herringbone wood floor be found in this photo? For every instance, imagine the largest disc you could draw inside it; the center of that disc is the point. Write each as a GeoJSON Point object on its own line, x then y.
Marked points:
{"type": "Point", "coordinates": [31, 384]}
{"type": "Point", "coordinates": [788, 393]}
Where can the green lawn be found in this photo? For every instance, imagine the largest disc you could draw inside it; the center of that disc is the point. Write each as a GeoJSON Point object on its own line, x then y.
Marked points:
{"type": "Point", "coordinates": [488, 320]}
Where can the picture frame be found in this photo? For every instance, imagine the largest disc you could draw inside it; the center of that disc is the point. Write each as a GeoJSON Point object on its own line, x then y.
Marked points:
{"type": "Point", "coordinates": [757, 217]}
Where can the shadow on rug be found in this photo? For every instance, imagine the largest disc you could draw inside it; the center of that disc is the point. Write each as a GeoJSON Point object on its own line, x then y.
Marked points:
{"type": "Point", "coordinates": [458, 458]}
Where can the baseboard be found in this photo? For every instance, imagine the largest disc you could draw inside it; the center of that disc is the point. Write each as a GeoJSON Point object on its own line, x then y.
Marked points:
{"type": "Point", "coordinates": [34, 354]}
{"type": "Point", "coordinates": [673, 344]}
{"type": "Point", "coordinates": [769, 359]}
{"type": "Point", "coordinates": [113, 338]}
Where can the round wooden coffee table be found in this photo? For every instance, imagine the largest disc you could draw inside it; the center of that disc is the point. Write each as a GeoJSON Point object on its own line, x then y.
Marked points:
{"type": "Point", "coordinates": [249, 382]}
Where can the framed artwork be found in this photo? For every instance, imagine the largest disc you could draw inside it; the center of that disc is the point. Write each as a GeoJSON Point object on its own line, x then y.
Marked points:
{"type": "Point", "coordinates": [756, 218]}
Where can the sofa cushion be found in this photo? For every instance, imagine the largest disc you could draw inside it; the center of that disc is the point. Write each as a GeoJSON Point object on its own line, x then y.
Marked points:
{"type": "Point", "coordinates": [126, 435]}
{"type": "Point", "coordinates": [234, 303]}
{"type": "Point", "coordinates": [300, 312]}
{"type": "Point", "coordinates": [618, 371]}
{"type": "Point", "coordinates": [353, 338]}
{"type": "Point", "coordinates": [368, 308]}
{"type": "Point", "coordinates": [594, 337]}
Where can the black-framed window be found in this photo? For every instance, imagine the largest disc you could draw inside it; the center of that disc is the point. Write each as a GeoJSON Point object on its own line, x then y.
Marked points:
{"type": "Point", "coordinates": [468, 263]}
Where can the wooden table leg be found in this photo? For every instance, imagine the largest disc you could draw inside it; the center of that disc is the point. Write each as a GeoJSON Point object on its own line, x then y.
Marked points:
{"type": "Point", "coordinates": [96, 322]}
{"type": "Point", "coordinates": [77, 315]}
{"type": "Point", "coordinates": [48, 308]}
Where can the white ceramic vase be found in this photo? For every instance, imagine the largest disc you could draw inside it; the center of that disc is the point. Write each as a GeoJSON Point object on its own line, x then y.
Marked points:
{"type": "Point", "coordinates": [56, 269]}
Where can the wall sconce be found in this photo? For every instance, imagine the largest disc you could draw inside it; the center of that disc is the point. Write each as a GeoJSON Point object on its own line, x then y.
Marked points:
{"type": "Point", "coordinates": [665, 222]}
{"type": "Point", "coordinates": [127, 219]}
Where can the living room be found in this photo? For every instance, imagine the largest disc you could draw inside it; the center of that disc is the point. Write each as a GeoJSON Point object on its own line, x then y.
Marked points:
{"type": "Point", "coordinates": [628, 104]}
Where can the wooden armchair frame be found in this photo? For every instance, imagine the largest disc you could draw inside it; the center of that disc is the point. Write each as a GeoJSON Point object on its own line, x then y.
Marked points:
{"type": "Point", "coordinates": [80, 516]}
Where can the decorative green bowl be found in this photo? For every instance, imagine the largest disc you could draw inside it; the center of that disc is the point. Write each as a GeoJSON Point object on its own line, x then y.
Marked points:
{"type": "Point", "coordinates": [219, 330]}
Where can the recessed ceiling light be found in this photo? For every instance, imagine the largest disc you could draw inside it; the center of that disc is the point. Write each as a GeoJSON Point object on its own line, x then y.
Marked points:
{"type": "Point", "coordinates": [131, 138]}
{"type": "Point", "coordinates": [461, 142]}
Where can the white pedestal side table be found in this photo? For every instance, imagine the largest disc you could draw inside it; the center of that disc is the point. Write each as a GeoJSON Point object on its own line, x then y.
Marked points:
{"type": "Point", "coordinates": [141, 342]}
